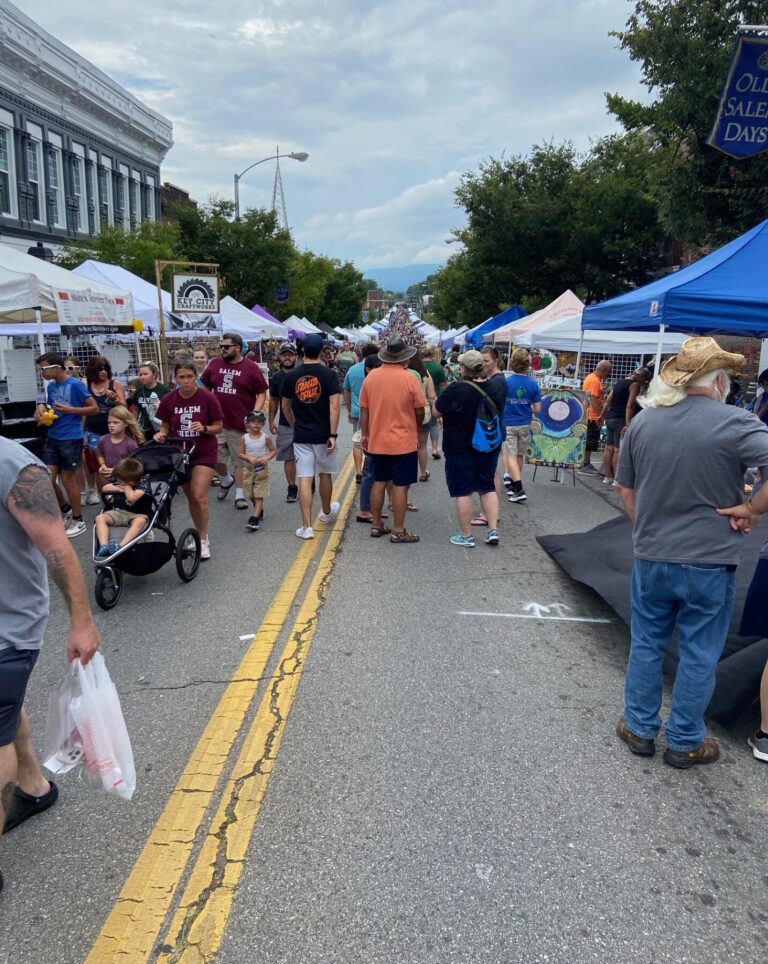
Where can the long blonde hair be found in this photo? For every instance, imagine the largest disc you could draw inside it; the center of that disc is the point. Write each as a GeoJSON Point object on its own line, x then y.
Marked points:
{"type": "Point", "coordinates": [132, 429]}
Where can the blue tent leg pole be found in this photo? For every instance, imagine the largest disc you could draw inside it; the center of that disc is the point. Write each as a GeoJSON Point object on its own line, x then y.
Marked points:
{"type": "Point", "coordinates": [657, 366]}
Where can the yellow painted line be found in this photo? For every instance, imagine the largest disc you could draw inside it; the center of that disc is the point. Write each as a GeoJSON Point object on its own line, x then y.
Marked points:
{"type": "Point", "coordinates": [199, 924]}
{"type": "Point", "coordinates": [138, 915]}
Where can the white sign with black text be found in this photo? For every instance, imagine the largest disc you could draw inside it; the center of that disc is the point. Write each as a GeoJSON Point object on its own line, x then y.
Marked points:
{"type": "Point", "coordinates": [196, 293]}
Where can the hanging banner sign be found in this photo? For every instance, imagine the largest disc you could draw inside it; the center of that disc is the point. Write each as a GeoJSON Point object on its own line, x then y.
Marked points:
{"type": "Point", "coordinates": [282, 293]}
{"type": "Point", "coordinates": [195, 294]}
{"type": "Point", "coordinates": [741, 125]}
{"type": "Point", "coordinates": [87, 312]}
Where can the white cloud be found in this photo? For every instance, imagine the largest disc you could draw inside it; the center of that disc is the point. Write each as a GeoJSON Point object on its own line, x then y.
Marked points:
{"type": "Point", "coordinates": [391, 99]}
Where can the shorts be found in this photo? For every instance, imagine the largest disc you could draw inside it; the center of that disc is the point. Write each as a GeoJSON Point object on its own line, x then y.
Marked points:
{"type": "Point", "coordinates": [255, 484]}
{"type": "Point", "coordinates": [230, 442]}
{"type": "Point", "coordinates": [613, 427]}
{"type": "Point", "coordinates": [62, 453]}
{"type": "Point", "coordinates": [312, 460]}
{"type": "Point", "coordinates": [355, 432]}
{"type": "Point", "coordinates": [518, 437]}
{"type": "Point", "coordinates": [16, 667]}
{"type": "Point", "coordinates": [284, 444]}
{"type": "Point", "coordinates": [593, 435]}
{"type": "Point", "coordinates": [397, 469]}
{"type": "Point", "coordinates": [468, 472]}
{"type": "Point", "coordinates": [122, 517]}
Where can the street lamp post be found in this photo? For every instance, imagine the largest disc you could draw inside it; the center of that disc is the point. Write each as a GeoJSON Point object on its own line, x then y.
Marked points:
{"type": "Point", "coordinates": [296, 156]}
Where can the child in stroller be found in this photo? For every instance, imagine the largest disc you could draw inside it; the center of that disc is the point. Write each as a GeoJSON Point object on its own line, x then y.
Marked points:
{"type": "Point", "coordinates": [131, 506]}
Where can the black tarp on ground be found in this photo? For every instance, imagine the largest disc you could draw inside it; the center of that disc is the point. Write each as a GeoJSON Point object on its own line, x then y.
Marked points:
{"type": "Point", "coordinates": [602, 559]}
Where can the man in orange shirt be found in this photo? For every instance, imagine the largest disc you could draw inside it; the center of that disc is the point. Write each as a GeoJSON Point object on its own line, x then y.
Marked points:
{"type": "Point", "coordinates": [595, 389]}
{"type": "Point", "coordinates": [391, 413]}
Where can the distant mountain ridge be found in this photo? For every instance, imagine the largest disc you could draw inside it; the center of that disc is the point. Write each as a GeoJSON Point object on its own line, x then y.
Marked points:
{"type": "Point", "coordinates": [400, 279]}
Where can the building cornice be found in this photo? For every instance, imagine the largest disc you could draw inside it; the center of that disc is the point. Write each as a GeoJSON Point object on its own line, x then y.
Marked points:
{"type": "Point", "coordinates": [32, 58]}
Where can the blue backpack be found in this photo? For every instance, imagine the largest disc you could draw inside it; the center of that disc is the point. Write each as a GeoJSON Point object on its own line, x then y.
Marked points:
{"type": "Point", "coordinates": [488, 434]}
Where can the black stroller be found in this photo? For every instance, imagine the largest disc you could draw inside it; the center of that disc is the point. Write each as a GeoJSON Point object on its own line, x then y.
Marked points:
{"type": "Point", "coordinates": [166, 468]}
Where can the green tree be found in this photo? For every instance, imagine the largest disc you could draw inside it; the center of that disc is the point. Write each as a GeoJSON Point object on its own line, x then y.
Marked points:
{"type": "Point", "coordinates": [135, 250]}
{"type": "Point", "coordinates": [684, 47]}
{"type": "Point", "coordinates": [254, 254]}
{"type": "Point", "coordinates": [344, 296]}
{"type": "Point", "coordinates": [308, 278]}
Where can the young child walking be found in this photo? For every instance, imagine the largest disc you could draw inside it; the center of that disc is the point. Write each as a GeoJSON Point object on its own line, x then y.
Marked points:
{"type": "Point", "coordinates": [131, 506]}
{"type": "Point", "coordinates": [256, 450]}
{"type": "Point", "coordinates": [124, 438]}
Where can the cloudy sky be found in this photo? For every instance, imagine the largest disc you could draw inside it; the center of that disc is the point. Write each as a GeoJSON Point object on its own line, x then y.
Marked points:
{"type": "Point", "coordinates": [392, 99]}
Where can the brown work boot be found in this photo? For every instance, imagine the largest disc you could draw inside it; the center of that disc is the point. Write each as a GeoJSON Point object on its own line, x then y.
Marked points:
{"type": "Point", "coordinates": [706, 752]}
{"type": "Point", "coordinates": [637, 744]}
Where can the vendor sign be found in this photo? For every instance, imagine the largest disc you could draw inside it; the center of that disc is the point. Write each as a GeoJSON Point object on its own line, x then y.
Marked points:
{"type": "Point", "coordinates": [195, 293]}
{"type": "Point", "coordinates": [86, 312]}
{"type": "Point", "coordinates": [741, 124]}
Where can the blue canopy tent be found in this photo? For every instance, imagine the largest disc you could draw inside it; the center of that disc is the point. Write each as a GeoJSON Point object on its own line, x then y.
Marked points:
{"type": "Point", "coordinates": [724, 292]}
{"type": "Point", "coordinates": [474, 337]}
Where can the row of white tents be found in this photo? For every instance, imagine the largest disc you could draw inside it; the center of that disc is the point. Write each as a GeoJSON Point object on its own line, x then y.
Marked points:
{"type": "Point", "coordinates": [29, 288]}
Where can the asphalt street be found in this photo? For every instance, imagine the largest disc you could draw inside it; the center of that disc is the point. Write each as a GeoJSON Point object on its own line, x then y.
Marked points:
{"type": "Point", "coordinates": [445, 784]}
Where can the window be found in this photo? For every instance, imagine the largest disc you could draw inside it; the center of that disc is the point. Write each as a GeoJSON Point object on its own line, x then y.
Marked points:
{"type": "Point", "coordinates": [105, 188]}
{"type": "Point", "coordinates": [80, 213]}
{"type": "Point", "coordinates": [34, 167]}
{"type": "Point", "coordinates": [7, 168]}
{"type": "Point", "coordinates": [135, 202]}
{"type": "Point", "coordinates": [93, 157]}
{"type": "Point", "coordinates": [151, 214]}
{"type": "Point", "coordinates": [55, 173]}
{"type": "Point", "coordinates": [125, 203]}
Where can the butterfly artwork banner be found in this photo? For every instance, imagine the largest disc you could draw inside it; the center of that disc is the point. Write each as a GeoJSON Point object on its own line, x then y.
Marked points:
{"type": "Point", "coordinates": [559, 431]}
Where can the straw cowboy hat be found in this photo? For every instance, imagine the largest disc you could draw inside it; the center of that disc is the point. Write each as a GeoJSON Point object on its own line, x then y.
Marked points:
{"type": "Point", "coordinates": [396, 351]}
{"type": "Point", "coordinates": [698, 356]}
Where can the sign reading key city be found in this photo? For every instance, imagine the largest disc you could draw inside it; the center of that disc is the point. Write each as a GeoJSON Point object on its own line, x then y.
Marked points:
{"type": "Point", "coordinates": [195, 293]}
{"type": "Point", "coordinates": [741, 124]}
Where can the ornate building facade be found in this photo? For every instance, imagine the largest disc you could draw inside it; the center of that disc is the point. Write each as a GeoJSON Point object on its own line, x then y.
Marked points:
{"type": "Point", "coordinates": [77, 150]}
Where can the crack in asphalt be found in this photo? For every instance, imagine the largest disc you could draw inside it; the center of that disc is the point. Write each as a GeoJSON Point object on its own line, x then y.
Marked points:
{"type": "Point", "coordinates": [182, 941]}
{"type": "Point", "coordinates": [197, 682]}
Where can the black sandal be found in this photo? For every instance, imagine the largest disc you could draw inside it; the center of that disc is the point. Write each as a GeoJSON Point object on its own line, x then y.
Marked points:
{"type": "Point", "coordinates": [23, 806]}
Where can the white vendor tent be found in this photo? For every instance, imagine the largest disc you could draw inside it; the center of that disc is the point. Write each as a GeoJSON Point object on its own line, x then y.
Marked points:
{"type": "Point", "coordinates": [563, 306]}
{"type": "Point", "coordinates": [565, 335]}
{"type": "Point", "coordinates": [301, 325]}
{"type": "Point", "coordinates": [27, 283]}
{"type": "Point", "coordinates": [250, 326]}
{"type": "Point", "coordinates": [144, 293]}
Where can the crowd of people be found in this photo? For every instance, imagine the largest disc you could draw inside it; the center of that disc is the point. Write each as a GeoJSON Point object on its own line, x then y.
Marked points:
{"type": "Point", "coordinates": [676, 464]}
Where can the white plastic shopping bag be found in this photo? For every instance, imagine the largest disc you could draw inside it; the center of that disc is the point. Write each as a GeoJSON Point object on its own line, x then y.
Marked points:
{"type": "Point", "coordinates": [85, 723]}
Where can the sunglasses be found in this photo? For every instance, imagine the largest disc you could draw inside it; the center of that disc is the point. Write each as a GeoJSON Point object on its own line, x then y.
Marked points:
{"type": "Point", "coordinates": [227, 346]}
{"type": "Point", "coordinates": [70, 368]}
{"type": "Point", "coordinates": [102, 368]}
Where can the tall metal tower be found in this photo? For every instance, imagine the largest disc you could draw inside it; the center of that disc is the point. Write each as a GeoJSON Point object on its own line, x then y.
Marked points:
{"type": "Point", "coordinates": [278, 195]}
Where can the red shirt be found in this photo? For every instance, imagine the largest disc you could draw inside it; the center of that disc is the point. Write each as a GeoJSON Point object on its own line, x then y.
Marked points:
{"type": "Point", "coordinates": [236, 387]}
{"type": "Point", "coordinates": [180, 412]}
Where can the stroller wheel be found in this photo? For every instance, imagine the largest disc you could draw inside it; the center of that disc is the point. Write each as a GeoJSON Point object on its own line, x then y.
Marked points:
{"type": "Point", "coordinates": [109, 586]}
{"type": "Point", "coordinates": [188, 555]}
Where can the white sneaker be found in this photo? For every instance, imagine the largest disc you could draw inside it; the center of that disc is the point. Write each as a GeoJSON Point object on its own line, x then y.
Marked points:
{"type": "Point", "coordinates": [205, 549]}
{"type": "Point", "coordinates": [327, 516]}
{"type": "Point", "coordinates": [308, 533]}
{"type": "Point", "coordinates": [75, 529]}
{"type": "Point", "coordinates": [93, 498]}
{"type": "Point", "coordinates": [66, 518]}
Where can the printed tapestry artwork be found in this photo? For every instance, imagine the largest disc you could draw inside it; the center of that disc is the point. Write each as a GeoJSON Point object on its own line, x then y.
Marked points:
{"type": "Point", "coordinates": [559, 431]}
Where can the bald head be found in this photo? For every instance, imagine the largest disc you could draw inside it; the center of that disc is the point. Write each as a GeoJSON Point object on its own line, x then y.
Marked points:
{"type": "Point", "coordinates": [603, 368]}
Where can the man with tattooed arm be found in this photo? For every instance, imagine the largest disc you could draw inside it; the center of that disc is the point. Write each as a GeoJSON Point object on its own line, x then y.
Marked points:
{"type": "Point", "coordinates": [32, 537]}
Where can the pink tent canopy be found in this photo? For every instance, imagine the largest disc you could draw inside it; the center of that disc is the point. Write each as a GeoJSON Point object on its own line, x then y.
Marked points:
{"type": "Point", "coordinates": [565, 306]}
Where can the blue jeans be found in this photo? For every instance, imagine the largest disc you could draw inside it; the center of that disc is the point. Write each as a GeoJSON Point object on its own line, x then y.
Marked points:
{"type": "Point", "coordinates": [698, 598]}
{"type": "Point", "coordinates": [366, 485]}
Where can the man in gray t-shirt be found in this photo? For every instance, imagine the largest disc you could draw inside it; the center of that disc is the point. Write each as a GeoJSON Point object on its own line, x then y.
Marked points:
{"type": "Point", "coordinates": [683, 457]}
{"type": "Point", "coordinates": [31, 536]}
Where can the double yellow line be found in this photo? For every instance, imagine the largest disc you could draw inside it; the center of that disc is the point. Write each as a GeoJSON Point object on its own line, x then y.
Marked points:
{"type": "Point", "coordinates": [133, 929]}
